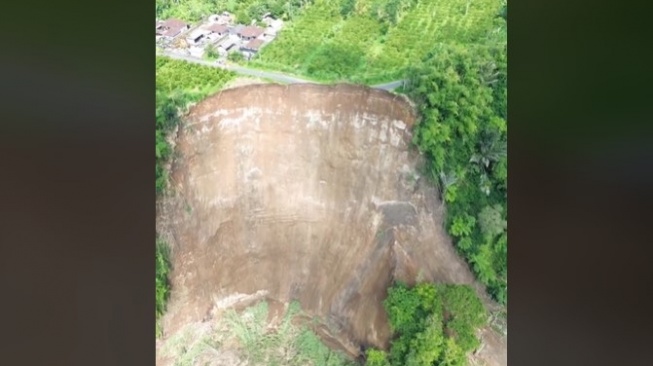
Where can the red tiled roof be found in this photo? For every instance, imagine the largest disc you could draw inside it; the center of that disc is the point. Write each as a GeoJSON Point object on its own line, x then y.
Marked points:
{"type": "Point", "coordinates": [174, 23]}
{"type": "Point", "coordinates": [251, 31]}
{"type": "Point", "coordinates": [218, 28]}
{"type": "Point", "coordinates": [170, 27]}
{"type": "Point", "coordinates": [254, 44]}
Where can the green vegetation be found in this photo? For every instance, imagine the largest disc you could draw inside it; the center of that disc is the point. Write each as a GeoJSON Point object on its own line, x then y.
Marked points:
{"type": "Point", "coordinates": [194, 81]}
{"type": "Point", "coordinates": [162, 284]}
{"type": "Point", "coordinates": [177, 84]}
{"type": "Point", "coordinates": [460, 91]}
{"type": "Point", "coordinates": [212, 52]}
{"type": "Point", "coordinates": [245, 10]}
{"type": "Point", "coordinates": [236, 57]}
{"type": "Point", "coordinates": [373, 40]}
{"type": "Point", "coordinates": [432, 325]}
{"type": "Point", "coordinates": [286, 344]}
{"type": "Point", "coordinates": [167, 117]}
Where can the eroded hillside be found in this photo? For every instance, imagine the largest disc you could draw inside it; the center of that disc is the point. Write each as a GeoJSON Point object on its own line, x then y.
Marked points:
{"type": "Point", "coordinates": [304, 192]}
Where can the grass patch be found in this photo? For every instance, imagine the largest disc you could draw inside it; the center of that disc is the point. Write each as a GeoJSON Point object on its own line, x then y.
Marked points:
{"type": "Point", "coordinates": [248, 333]}
{"type": "Point", "coordinates": [285, 345]}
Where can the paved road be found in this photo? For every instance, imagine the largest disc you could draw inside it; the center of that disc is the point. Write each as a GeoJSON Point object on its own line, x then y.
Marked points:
{"type": "Point", "coordinates": [389, 86]}
{"type": "Point", "coordinates": [276, 76]}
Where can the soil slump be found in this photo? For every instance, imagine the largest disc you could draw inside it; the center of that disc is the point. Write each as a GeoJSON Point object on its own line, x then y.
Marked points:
{"type": "Point", "coordinates": [304, 192]}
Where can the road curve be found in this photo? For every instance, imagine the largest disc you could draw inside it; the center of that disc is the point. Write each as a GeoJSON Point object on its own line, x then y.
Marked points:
{"type": "Point", "coordinates": [275, 76]}
{"type": "Point", "coordinates": [389, 86]}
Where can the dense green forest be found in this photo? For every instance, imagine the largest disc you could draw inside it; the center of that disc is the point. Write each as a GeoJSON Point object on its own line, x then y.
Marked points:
{"type": "Point", "coordinates": [178, 83]}
{"type": "Point", "coordinates": [461, 93]}
{"type": "Point", "coordinates": [431, 325]}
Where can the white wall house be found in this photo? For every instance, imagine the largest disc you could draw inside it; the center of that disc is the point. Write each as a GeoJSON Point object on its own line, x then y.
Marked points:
{"type": "Point", "coordinates": [196, 36]}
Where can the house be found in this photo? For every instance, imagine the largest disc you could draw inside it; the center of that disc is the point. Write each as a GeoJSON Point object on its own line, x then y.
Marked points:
{"type": "Point", "coordinates": [196, 52]}
{"type": "Point", "coordinates": [277, 24]}
{"type": "Point", "coordinates": [171, 28]}
{"type": "Point", "coordinates": [270, 32]}
{"type": "Point", "coordinates": [223, 18]}
{"type": "Point", "coordinates": [197, 35]}
{"type": "Point", "coordinates": [236, 29]}
{"type": "Point", "coordinates": [228, 44]}
{"type": "Point", "coordinates": [268, 18]}
{"type": "Point", "coordinates": [250, 32]}
{"type": "Point", "coordinates": [218, 29]}
{"type": "Point", "coordinates": [252, 46]}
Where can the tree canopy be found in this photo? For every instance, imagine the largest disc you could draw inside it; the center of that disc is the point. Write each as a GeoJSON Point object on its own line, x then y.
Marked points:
{"type": "Point", "coordinates": [432, 324]}
{"type": "Point", "coordinates": [460, 90]}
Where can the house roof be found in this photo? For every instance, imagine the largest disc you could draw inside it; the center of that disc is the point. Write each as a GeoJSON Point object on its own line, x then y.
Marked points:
{"type": "Point", "coordinates": [197, 33]}
{"type": "Point", "coordinates": [174, 23]}
{"type": "Point", "coordinates": [254, 44]}
{"type": "Point", "coordinates": [218, 28]}
{"type": "Point", "coordinates": [236, 29]}
{"type": "Point", "coordinates": [227, 43]}
{"type": "Point", "coordinates": [251, 31]}
{"type": "Point", "coordinates": [170, 27]}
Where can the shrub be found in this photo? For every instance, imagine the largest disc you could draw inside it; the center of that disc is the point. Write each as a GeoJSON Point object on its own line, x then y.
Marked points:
{"type": "Point", "coordinates": [376, 358]}
{"type": "Point", "coordinates": [162, 283]}
{"type": "Point", "coordinates": [431, 324]}
{"type": "Point", "coordinates": [491, 221]}
{"type": "Point", "coordinates": [236, 57]}
{"type": "Point", "coordinates": [212, 52]}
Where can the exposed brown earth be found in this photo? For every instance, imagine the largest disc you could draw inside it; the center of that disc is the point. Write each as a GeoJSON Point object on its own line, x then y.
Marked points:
{"type": "Point", "coordinates": [305, 192]}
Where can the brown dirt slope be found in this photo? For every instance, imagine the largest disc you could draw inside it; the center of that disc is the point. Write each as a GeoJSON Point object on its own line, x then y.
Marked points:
{"type": "Point", "coordinates": [304, 192]}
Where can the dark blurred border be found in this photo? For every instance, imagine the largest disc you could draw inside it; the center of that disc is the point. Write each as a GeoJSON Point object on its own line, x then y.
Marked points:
{"type": "Point", "coordinates": [581, 178]}
{"type": "Point", "coordinates": [77, 183]}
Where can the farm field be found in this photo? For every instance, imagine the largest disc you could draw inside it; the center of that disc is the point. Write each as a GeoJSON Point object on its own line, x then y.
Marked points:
{"type": "Point", "coordinates": [374, 40]}
{"type": "Point", "coordinates": [195, 81]}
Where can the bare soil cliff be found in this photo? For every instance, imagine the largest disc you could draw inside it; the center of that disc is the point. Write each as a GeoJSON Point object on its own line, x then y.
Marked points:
{"type": "Point", "coordinates": [304, 192]}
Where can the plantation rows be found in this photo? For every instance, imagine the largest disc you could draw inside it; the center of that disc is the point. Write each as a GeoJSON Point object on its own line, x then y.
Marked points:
{"type": "Point", "coordinates": [300, 39]}
{"type": "Point", "coordinates": [373, 40]}
{"type": "Point", "coordinates": [193, 79]}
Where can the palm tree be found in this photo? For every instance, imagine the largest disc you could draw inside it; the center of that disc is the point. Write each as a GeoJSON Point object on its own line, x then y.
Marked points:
{"type": "Point", "coordinates": [490, 149]}
{"type": "Point", "coordinates": [446, 181]}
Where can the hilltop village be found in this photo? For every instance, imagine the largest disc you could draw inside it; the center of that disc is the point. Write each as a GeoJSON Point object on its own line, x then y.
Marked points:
{"type": "Point", "coordinates": [217, 36]}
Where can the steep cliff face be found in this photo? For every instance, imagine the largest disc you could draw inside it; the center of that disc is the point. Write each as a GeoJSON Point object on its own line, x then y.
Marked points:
{"type": "Point", "coordinates": [302, 192]}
